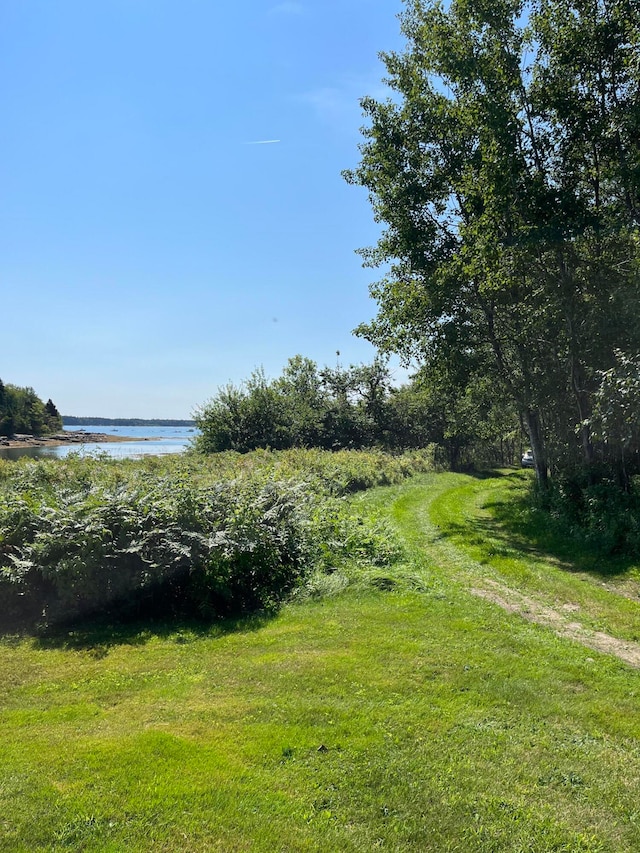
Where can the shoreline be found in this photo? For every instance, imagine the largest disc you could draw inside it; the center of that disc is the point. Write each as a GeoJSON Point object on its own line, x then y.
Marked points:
{"type": "Point", "coordinates": [60, 439]}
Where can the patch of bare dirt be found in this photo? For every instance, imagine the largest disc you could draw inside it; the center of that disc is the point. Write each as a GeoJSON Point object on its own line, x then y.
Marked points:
{"type": "Point", "coordinates": [561, 621]}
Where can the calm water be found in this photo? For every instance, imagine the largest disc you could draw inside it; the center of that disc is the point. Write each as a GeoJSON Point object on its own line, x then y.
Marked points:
{"type": "Point", "coordinates": [160, 440]}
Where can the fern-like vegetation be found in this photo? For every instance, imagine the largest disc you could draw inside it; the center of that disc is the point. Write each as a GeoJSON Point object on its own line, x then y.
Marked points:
{"type": "Point", "coordinates": [193, 536]}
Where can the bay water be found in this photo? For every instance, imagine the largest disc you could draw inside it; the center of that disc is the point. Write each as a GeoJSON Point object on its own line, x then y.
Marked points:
{"type": "Point", "coordinates": [144, 441]}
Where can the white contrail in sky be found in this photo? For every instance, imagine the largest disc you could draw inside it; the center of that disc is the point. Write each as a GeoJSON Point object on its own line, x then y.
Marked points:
{"type": "Point", "coordinates": [263, 142]}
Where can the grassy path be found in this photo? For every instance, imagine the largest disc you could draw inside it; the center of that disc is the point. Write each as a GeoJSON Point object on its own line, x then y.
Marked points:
{"type": "Point", "coordinates": [418, 718]}
{"type": "Point", "coordinates": [450, 523]}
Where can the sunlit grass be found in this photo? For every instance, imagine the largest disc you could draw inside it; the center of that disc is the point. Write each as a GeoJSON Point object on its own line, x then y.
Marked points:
{"type": "Point", "coordinates": [488, 521]}
{"type": "Point", "coordinates": [419, 718]}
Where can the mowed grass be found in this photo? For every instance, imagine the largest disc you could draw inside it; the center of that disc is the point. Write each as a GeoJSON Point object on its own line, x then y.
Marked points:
{"type": "Point", "coordinates": [489, 528]}
{"type": "Point", "coordinates": [416, 718]}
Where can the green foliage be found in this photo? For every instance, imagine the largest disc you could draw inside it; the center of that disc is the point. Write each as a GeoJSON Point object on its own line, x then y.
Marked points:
{"type": "Point", "coordinates": [461, 414]}
{"type": "Point", "coordinates": [594, 512]}
{"type": "Point", "coordinates": [53, 416]}
{"type": "Point", "coordinates": [358, 407]}
{"type": "Point", "coordinates": [204, 536]}
{"type": "Point", "coordinates": [615, 420]}
{"type": "Point", "coordinates": [22, 411]}
{"type": "Point", "coordinates": [331, 408]}
{"type": "Point", "coordinates": [507, 172]}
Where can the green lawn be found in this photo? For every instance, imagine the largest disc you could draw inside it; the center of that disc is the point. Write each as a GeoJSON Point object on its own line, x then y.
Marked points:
{"type": "Point", "coordinates": [415, 718]}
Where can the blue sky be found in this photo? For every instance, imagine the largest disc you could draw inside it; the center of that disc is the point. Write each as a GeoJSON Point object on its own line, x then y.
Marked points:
{"type": "Point", "coordinates": [148, 252]}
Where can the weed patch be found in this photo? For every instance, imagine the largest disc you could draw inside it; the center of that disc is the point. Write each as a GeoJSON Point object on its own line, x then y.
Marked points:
{"type": "Point", "coordinates": [193, 537]}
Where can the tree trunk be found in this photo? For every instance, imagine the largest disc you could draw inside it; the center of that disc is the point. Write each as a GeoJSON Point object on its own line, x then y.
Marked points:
{"type": "Point", "coordinates": [534, 431]}
{"type": "Point", "coordinates": [584, 412]}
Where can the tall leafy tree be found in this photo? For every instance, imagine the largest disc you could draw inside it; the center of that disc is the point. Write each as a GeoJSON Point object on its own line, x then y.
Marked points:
{"type": "Point", "coordinates": [22, 411]}
{"type": "Point", "coordinates": [305, 401]}
{"type": "Point", "coordinates": [506, 169]}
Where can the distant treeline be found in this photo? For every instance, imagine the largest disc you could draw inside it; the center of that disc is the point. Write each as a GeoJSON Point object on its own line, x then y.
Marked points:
{"type": "Point", "coordinates": [70, 420]}
{"type": "Point", "coordinates": [23, 412]}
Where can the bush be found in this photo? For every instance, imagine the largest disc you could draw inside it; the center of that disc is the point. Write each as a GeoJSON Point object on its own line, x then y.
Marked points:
{"type": "Point", "coordinates": [599, 514]}
{"type": "Point", "coordinates": [211, 537]}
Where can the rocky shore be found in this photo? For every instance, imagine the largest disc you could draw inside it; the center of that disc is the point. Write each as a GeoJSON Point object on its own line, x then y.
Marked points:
{"type": "Point", "coordinates": [62, 438]}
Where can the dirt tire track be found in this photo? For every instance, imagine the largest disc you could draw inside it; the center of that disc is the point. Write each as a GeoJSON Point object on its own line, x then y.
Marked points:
{"type": "Point", "coordinates": [559, 621]}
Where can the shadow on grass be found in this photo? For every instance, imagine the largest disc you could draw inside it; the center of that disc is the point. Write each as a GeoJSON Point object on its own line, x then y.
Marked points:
{"type": "Point", "coordinates": [99, 634]}
{"type": "Point", "coordinates": [487, 473]}
{"type": "Point", "coordinates": [516, 527]}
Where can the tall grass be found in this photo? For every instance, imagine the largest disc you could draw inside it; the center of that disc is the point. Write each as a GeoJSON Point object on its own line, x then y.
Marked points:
{"type": "Point", "coordinates": [200, 536]}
